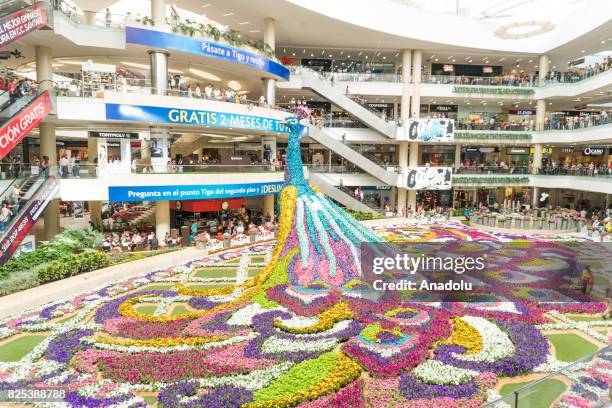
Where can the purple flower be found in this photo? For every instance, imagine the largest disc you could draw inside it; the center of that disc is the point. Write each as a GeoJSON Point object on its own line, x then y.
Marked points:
{"type": "Point", "coordinates": [65, 345]}
{"type": "Point", "coordinates": [221, 396]}
{"type": "Point", "coordinates": [111, 309]}
{"type": "Point", "coordinates": [411, 388]}
{"type": "Point", "coordinates": [201, 303]}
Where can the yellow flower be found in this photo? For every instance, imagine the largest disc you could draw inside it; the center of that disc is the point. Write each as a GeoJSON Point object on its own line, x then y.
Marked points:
{"type": "Point", "coordinates": [466, 336]}
{"type": "Point", "coordinates": [326, 320]}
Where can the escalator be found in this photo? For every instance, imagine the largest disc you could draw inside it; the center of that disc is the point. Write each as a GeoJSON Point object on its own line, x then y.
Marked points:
{"type": "Point", "coordinates": [369, 164]}
{"type": "Point", "coordinates": [19, 116]}
{"type": "Point", "coordinates": [28, 196]}
{"type": "Point", "coordinates": [342, 195]}
{"type": "Point", "coordinates": [319, 85]}
{"type": "Point", "coordinates": [18, 18]}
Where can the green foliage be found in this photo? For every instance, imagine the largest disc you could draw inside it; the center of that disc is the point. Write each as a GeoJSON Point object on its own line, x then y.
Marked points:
{"type": "Point", "coordinates": [494, 90]}
{"type": "Point", "coordinates": [71, 265]}
{"type": "Point", "coordinates": [364, 216]}
{"type": "Point", "coordinates": [489, 180]}
{"type": "Point", "coordinates": [493, 135]}
{"type": "Point", "coordinates": [73, 239]}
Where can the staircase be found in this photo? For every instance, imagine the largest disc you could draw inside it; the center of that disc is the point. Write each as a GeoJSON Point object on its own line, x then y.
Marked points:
{"type": "Point", "coordinates": [321, 86]}
{"type": "Point", "coordinates": [37, 190]}
{"type": "Point", "coordinates": [367, 164]}
{"type": "Point", "coordinates": [337, 193]}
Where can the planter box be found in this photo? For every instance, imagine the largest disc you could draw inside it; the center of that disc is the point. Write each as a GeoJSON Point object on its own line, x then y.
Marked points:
{"type": "Point", "coordinates": [526, 224]}
{"type": "Point", "coordinates": [508, 223]}
{"type": "Point", "coordinates": [558, 223]}
{"type": "Point", "coordinates": [200, 244]}
{"type": "Point", "coordinates": [564, 223]}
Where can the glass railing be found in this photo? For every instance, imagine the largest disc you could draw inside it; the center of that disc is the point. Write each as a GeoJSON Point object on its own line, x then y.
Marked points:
{"type": "Point", "coordinates": [531, 394]}
{"type": "Point", "coordinates": [14, 105]}
{"type": "Point", "coordinates": [504, 80]}
{"type": "Point", "coordinates": [91, 171]}
{"type": "Point", "coordinates": [586, 171]}
{"type": "Point", "coordinates": [17, 193]}
{"type": "Point", "coordinates": [492, 170]}
{"type": "Point", "coordinates": [581, 122]}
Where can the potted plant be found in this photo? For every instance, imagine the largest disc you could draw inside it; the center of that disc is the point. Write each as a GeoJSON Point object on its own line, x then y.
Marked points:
{"type": "Point", "coordinates": [558, 221]}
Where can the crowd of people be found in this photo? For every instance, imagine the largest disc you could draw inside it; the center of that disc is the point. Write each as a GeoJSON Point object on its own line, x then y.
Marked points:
{"type": "Point", "coordinates": [18, 88]}
{"type": "Point", "coordinates": [129, 241]}
{"type": "Point", "coordinates": [10, 206]}
{"type": "Point", "coordinates": [576, 168]}
{"type": "Point", "coordinates": [493, 166]}
{"type": "Point", "coordinates": [562, 122]}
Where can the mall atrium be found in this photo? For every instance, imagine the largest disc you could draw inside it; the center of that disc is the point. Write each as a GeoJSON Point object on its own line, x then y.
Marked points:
{"type": "Point", "coordinates": [306, 203]}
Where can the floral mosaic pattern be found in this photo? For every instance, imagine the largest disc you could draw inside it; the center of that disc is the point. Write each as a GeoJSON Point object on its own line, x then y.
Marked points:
{"type": "Point", "coordinates": [295, 334]}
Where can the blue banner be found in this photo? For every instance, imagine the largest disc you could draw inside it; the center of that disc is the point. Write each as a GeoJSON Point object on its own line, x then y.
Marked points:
{"type": "Point", "coordinates": [177, 42]}
{"type": "Point", "coordinates": [191, 192]}
{"type": "Point", "coordinates": [192, 117]}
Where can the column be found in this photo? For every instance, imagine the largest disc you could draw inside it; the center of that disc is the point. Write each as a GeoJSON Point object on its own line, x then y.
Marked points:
{"type": "Point", "coordinates": [158, 61]}
{"type": "Point", "coordinates": [457, 156]}
{"type": "Point", "coordinates": [268, 149]}
{"type": "Point", "coordinates": [269, 37]}
{"type": "Point", "coordinates": [95, 207]}
{"type": "Point", "coordinates": [160, 148]}
{"type": "Point", "coordinates": [417, 59]}
{"type": "Point", "coordinates": [44, 75]}
{"type": "Point", "coordinates": [537, 158]}
{"type": "Point", "coordinates": [540, 114]}
{"type": "Point", "coordinates": [406, 76]}
{"type": "Point", "coordinates": [413, 161]}
{"type": "Point", "coordinates": [162, 219]}
{"type": "Point", "coordinates": [95, 214]}
{"type": "Point", "coordinates": [401, 192]}
{"type": "Point", "coordinates": [268, 205]}
{"type": "Point", "coordinates": [158, 14]}
{"type": "Point", "coordinates": [535, 199]}
{"type": "Point", "coordinates": [543, 67]}
{"type": "Point", "coordinates": [90, 17]}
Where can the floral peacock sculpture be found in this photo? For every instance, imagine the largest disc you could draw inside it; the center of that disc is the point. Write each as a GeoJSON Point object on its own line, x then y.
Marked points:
{"type": "Point", "coordinates": [323, 240]}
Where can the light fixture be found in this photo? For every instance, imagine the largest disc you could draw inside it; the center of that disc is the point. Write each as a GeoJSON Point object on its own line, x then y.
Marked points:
{"type": "Point", "coordinates": [206, 5]}
{"type": "Point", "coordinates": [234, 85]}
{"type": "Point", "coordinates": [293, 53]}
{"type": "Point", "coordinates": [135, 65]}
{"type": "Point", "coordinates": [530, 60]}
{"type": "Point", "coordinates": [228, 14]}
{"type": "Point", "coordinates": [384, 58]}
{"type": "Point", "coordinates": [254, 31]}
{"type": "Point", "coordinates": [204, 74]}
{"type": "Point", "coordinates": [583, 51]}
{"type": "Point", "coordinates": [244, 23]}
{"type": "Point", "coordinates": [311, 54]}
{"type": "Point", "coordinates": [175, 71]}
{"type": "Point", "coordinates": [436, 60]}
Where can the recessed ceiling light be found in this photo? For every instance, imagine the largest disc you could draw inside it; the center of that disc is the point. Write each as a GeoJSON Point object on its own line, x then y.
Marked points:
{"type": "Point", "coordinates": [244, 23]}
{"type": "Point", "coordinates": [384, 58]}
{"type": "Point", "coordinates": [254, 31]}
{"type": "Point", "coordinates": [501, 59]}
{"type": "Point", "coordinates": [330, 55]}
{"type": "Point", "coordinates": [228, 14]}
{"type": "Point", "coordinates": [436, 60]}
{"type": "Point", "coordinates": [348, 56]}
{"type": "Point", "coordinates": [293, 53]}
{"type": "Point", "coordinates": [204, 74]}
{"type": "Point", "coordinates": [234, 85]}
{"type": "Point", "coordinates": [583, 51]}
{"type": "Point", "coordinates": [530, 60]}
{"type": "Point", "coordinates": [311, 54]}
{"type": "Point", "coordinates": [206, 5]}
{"type": "Point", "coordinates": [603, 41]}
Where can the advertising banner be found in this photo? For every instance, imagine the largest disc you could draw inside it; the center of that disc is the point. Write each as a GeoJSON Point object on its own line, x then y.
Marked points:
{"type": "Point", "coordinates": [22, 22]}
{"type": "Point", "coordinates": [21, 124]}
{"type": "Point", "coordinates": [428, 178]}
{"type": "Point", "coordinates": [193, 117]}
{"type": "Point", "coordinates": [191, 192]}
{"type": "Point", "coordinates": [27, 219]}
{"type": "Point", "coordinates": [429, 130]}
{"type": "Point", "coordinates": [177, 42]}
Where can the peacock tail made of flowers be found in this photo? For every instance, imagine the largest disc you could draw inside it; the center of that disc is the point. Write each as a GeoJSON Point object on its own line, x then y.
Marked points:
{"type": "Point", "coordinates": [324, 241]}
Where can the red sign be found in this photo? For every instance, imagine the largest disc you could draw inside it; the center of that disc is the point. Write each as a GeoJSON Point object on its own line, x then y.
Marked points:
{"type": "Point", "coordinates": [27, 219]}
{"type": "Point", "coordinates": [27, 119]}
{"type": "Point", "coordinates": [22, 22]}
{"type": "Point", "coordinates": [207, 205]}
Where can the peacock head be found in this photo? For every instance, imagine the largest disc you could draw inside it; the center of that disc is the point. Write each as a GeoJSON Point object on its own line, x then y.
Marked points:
{"type": "Point", "coordinates": [293, 123]}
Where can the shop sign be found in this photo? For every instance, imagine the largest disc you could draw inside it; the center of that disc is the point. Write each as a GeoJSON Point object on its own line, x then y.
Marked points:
{"type": "Point", "coordinates": [546, 151]}
{"type": "Point", "coordinates": [567, 150]}
{"type": "Point", "coordinates": [443, 108]}
{"type": "Point", "coordinates": [593, 151]}
{"type": "Point", "coordinates": [517, 150]}
{"type": "Point", "coordinates": [28, 218]}
{"type": "Point", "coordinates": [179, 116]}
{"type": "Point", "coordinates": [113, 135]}
{"type": "Point", "coordinates": [191, 192]}
{"type": "Point", "coordinates": [522, 112]}
{"type": "Point", "coordinates": [177, 42]}
{"type": "Point", "coordinates": [20, 125]}
{"type": "Point", "coordinates": [481, 149]}
{"type": "Point", "coordinates": [22, 22]}
{"type": "Point", "coordinates": [428, 178]}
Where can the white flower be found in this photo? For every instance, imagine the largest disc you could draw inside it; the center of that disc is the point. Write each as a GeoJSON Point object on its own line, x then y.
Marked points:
{"type": "Point", "coordinates": [277, 345]}
{"type": "Point", "coordinates": [436, 372]}
{"type": "Point", "coordinates": [495, 343]}
{"type": "Point", "coordinates": [244, 316]}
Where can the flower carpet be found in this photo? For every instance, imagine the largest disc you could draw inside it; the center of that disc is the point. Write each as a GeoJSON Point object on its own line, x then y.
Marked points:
{"type": "Point", "coordinates": [247, 328]}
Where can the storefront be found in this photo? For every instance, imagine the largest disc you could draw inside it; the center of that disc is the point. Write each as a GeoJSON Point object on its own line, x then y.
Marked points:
{"type": "Point", "coordinates": [430, 199]}
{"type": "Point", "coordinates": [445, 111]}
{"type": "Point", "coordinates": [479, 155]}
{"type": "Point", "coordinates": [518, 156]}
{"type": "Point", "coordinates": [438, 155]}
{"type": "Point", "coordinates": [520, 119]}
{"type": "Point", "coordinates": [584, 155]}
{"type": "Point", "coordinates": [385, 109]}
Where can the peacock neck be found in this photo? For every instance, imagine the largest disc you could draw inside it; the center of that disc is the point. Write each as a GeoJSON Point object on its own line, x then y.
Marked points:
{"type": "Point", "coordinates": [294, 158]}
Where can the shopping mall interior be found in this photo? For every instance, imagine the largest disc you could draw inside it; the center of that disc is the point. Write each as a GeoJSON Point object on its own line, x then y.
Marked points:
{"type": "Point", "coordinates": [305, 203]}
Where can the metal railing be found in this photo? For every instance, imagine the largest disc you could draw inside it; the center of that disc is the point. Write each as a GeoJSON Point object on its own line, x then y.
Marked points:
{"type": "Point", "coordinates": [584, 171]}
{"type": "Point", "coordinates": [583, 122]}
{"type": "Point", "coordinates": [492, 170]}
{"type": "Point", "coordinates": [503, 80]}
{"type": "Point", "coordinates": [520, 398]}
